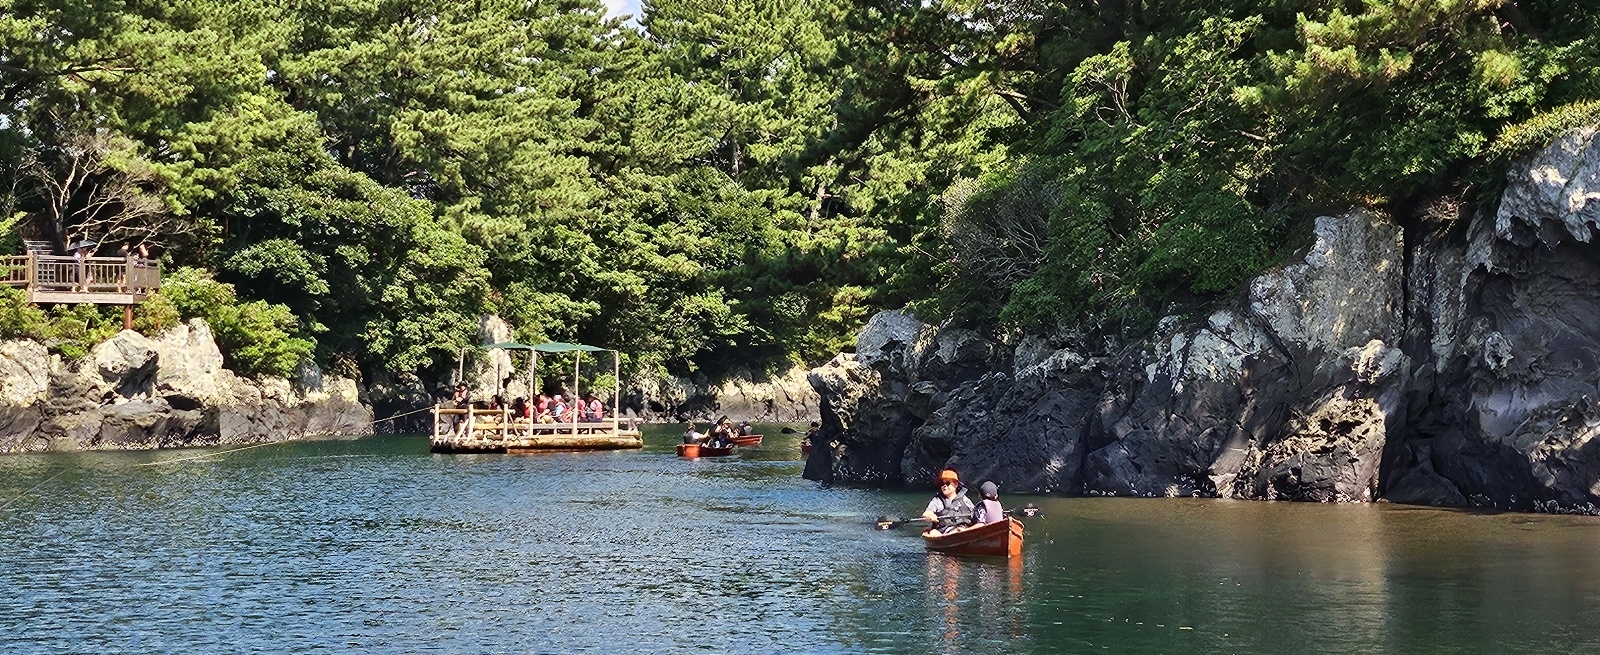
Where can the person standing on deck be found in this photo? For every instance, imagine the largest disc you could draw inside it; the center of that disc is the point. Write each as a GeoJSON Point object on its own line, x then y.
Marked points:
{"type": "Point", "coordinates": [462, 399]}
{"type": "Point", "coordinates": [950, 509]}
{"type": "Point", "coordinates": [989, 510]}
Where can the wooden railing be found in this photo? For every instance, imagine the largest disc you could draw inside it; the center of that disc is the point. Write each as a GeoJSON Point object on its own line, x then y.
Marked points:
{"type": "Point", "coordinates": [92, 275]}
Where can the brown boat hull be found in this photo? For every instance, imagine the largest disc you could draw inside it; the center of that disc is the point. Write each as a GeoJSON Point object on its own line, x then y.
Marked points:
{"type": "Point", "coordinates": [748, 441]}
{"type": "Point", "coordinates": [696, 450]}
{"type": "Point", "coordinates": [1000, 539]}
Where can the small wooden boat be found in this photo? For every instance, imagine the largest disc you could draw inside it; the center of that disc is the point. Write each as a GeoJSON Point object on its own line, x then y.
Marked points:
{"type": "Point", "coordinates": [692, 450]}
{"type": "Point", "coordinates": [1000, 539]}
{"type": "Point", "coordinates": [747, 440]}
{"type": "Point", "coordinates": [805, 449]}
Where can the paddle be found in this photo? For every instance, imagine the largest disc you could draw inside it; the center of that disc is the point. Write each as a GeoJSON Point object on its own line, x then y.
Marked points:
{"type": "Point", "coordinates": [886, 522]}
{"type": "Point", "coordinates": [1029, 510]}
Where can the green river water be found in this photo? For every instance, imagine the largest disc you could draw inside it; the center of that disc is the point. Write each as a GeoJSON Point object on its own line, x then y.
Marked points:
{"type": "Point", "coordinates": [377, 546]}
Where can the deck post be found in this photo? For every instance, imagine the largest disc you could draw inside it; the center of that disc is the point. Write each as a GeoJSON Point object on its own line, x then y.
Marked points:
{"type": "Point", "coordinates": [127, 317]}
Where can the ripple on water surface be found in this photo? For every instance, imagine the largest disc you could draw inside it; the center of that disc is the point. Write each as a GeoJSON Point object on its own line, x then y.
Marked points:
{"type": "Point", "coordinates": [377, 546]}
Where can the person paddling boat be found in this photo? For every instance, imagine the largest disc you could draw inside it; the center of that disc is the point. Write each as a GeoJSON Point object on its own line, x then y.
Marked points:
{"type": "Point", "coordinates": [950, 509]}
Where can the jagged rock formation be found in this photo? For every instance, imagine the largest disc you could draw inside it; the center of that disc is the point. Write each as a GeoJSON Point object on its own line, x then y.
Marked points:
{"type": "Point", "coordinates": [132, 392]}
{"type": "Point", "coordinates": [746, 396]}
{"type": "Point", "coordinates": [1454, 368]}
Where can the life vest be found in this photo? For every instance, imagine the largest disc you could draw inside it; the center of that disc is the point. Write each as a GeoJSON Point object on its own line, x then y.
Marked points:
{"type": "Point", "coordinates": [955, 513]}
{"type": "Point", "coordinates": [992, 511]}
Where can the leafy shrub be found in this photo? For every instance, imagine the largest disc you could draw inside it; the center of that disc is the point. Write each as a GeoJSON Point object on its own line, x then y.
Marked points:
{"type": "Point", "coordinates": [256, 338]}
{"type": "Point", "coordinates": [66, 331]}
{"type": "Point", "coordinates": [75, 330]}
{"type": "Point", "coordinates": [155, 315]}
{"type": "Point", "coordinates": [20, 318]}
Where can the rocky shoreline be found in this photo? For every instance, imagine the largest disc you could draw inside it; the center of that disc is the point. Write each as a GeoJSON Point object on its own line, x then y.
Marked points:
{"type": "Point", "coordinates": [135, 393]}
{"type": "Point", "coordinates": [1451, 360]}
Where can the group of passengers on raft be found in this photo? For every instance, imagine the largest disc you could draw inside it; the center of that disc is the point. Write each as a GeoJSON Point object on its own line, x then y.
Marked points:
{"type": "Point", "coordinates": [549, 408]}
{"type": "Point", "coordinates": [720, 435]}
{"type": "Point", "coordinates": [951, 510]}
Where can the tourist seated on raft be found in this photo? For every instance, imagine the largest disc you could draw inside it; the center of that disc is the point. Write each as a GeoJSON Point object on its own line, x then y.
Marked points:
{"type": "Point", "coordinates": [597, 409]}
{"type": "Point", "coordinates": [989, 509]}
{"type": "Point", "coordinates": [745, 429]}
{"type": "Point", "coordinates": [521, 414]}
{"type": "Point", "coordinates": [541, 410]}
{"type": "Point", "coordinates": [558, 409]}
{"type": "Point", "coordinates": [950, 509]}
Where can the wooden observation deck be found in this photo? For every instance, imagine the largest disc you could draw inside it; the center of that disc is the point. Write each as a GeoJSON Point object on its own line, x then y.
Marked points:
{"type": "Point", "coordinates": [49, 279]}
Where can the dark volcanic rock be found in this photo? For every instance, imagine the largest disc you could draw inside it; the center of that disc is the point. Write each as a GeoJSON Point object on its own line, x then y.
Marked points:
{"type": "Point", "coordinates": [1458, 367]}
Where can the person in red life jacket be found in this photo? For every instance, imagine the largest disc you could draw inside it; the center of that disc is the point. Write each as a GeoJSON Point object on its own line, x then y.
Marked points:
{"type": "Point", "coordinates": [989, 510]}
{"type": "Point", "coordinates": [541, 409]}
{"type": "Point", "coordinates": [597, 409]}
{"type": "Point", "coordinates": [950, 509]}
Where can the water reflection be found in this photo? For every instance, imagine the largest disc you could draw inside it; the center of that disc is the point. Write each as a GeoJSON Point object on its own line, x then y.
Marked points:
{"type": "Point", "coordinates": [967, 591]}
{"type": "Point", "coordinates": [378, 546]}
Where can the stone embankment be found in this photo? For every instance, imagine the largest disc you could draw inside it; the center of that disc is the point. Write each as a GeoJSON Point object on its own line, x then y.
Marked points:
{"type": "Point", "coordinates": [133, 392]}
{"type": "Point", "coordinates": [1452, 362]}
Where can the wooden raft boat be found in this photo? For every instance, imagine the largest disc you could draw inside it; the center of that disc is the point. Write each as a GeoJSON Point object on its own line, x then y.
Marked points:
{"type": "Point", "coordinates": [494, 431]}
{"type": "Point", "coordinates": [1000, 539]}
{"type": "Point", "coordinates": [747, 440]}
{"type": "Point", "coordinates": [692, 450]}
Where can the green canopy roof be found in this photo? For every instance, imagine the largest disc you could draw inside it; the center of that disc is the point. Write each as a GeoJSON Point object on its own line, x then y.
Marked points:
{"type": "Point", "coordinates": [552, 347]}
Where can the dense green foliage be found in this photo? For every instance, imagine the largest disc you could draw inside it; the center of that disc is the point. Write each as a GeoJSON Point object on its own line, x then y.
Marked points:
{"type": "Point", "coordinates": [738, 184]}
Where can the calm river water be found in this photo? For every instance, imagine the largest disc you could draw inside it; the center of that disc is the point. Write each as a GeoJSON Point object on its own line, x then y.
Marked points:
{"type": "Point", "coordinates": [376, 546]}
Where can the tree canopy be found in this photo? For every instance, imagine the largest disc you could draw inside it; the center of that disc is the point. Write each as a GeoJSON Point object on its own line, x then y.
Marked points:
{"type": "Point", "coordinates": [738, 184]}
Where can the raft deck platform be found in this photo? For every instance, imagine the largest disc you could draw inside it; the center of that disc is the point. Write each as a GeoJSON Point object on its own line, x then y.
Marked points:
{"type": "Point", "coordinates": [494, 431]}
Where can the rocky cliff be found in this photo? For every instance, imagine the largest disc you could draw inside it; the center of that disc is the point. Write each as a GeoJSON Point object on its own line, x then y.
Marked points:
{"type": "Point", "coordinates": [133, 392]}
{"type": "Point", "coordinates": [1452, 362]}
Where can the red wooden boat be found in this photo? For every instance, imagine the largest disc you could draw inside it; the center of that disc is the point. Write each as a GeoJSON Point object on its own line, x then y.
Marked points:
{"type": "Point", "coordinates": [1001, 539]}
{"type": "Point", "coordinates": [747, 440]}
{"type": "Point", "coordinates": [692, 450]}
{"type": "Point", "coordinates": [805, 449]}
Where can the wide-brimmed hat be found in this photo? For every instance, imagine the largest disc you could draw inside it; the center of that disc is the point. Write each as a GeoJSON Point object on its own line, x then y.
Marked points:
{"type": "Point", "coordinates": [950, 476]}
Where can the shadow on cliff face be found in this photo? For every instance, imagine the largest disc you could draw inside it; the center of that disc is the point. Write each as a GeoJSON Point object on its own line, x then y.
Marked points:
{"type": "Point", "coordinates": [1456, 368]}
